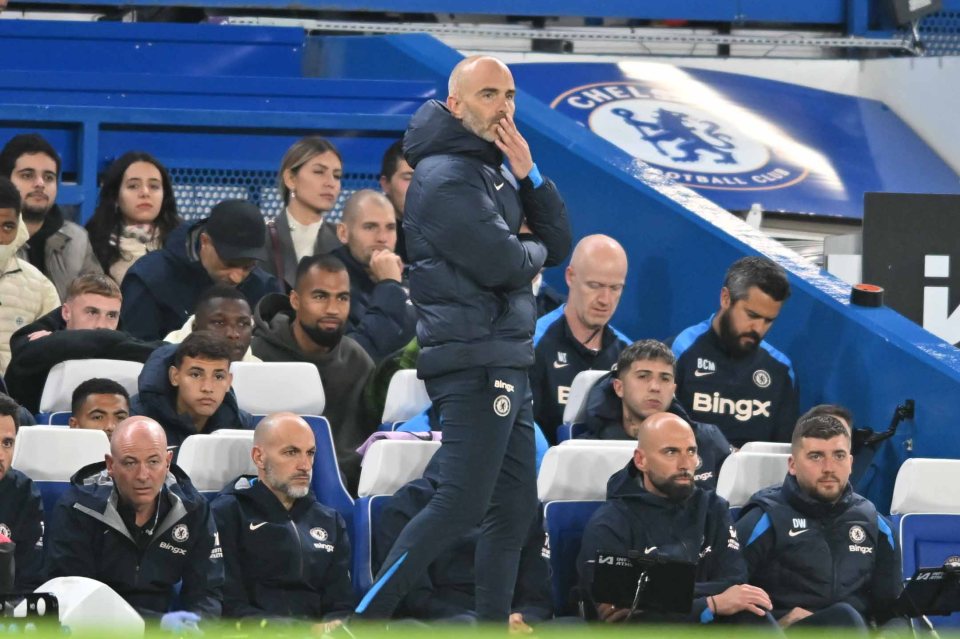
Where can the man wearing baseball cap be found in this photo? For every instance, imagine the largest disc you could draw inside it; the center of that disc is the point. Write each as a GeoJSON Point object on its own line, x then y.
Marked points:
{"type": "Point", "coordinates": [161, 288]}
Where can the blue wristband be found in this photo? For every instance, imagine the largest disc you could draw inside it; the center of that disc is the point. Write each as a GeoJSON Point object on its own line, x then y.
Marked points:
{"type": "Point", "coordinates": [535, 177]}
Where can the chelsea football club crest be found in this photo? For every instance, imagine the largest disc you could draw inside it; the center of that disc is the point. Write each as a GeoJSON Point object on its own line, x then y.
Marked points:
{"type": "Point", "coordinates": [691, 144]}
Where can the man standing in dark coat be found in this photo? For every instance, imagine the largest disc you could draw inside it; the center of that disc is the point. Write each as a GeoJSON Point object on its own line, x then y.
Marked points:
{"type": "Point", "coordinates": [477, 234]}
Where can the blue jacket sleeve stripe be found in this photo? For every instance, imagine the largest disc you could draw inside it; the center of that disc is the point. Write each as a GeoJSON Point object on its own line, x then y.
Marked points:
{"type": "Point", "coordinates": [685, 340]}
{"type": "Point", "coordinates": [546, 321]}
{"type": "Point", "coordinates": [377, 586]}
{"type": "Point", "coordinates": [706, 616]}
{"type": "Point", "coordinates": [885, 529]}
{"type": "Point", "coordinates": [783, 359]}
{"type": "Point", "coordinates": [763, 524]}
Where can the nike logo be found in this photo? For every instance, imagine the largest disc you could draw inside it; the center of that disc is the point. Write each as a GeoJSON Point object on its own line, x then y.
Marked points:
{"type": "Point", "coordinates": [703, 373]}
{"type": "Point", "coordinates": [499, 186]}
{"type": "Point", "coordinates": [255, 526]}
{"type": "Point", "coordinates": [794, 533]}
{"type": "Point", "coordinates": [559, 365]}
{"type": "Point", "coordinates": [649, 550]}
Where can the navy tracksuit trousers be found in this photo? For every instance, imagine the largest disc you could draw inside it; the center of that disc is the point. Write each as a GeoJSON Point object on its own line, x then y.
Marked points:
{"type": "Point", "coordinates": [487, 476]}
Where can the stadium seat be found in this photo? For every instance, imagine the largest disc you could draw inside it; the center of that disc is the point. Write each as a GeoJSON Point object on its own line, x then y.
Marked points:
{"type": "Point", "coordinates": [390, 463]}
{"type": "Point", "coordinates": [629, 444]}
{"type": "Point", "coordinates": [572, 483]}
{"type": "Point", "coordinates": [59, 418]}
{"type": "Point", "coordinates": [269, 387]}
{"type": "Point", "coordinates": [928, 517]}
{"type": "Point", "coordinates": [406, 398]}
{"type": "Point", "coordinates": [564, 522]}
{"type": "Point", "coordinates": [66, 376]}
{"type": "Point", "coordinates": [580, 472]}
{"type": "Point", "coordinates": [575, 410]}
{"type": "Point", "coordinates": [766, 447]}
{"type": "Point", "coordinates": [213, 461]}
{"type": "Point", "coordinates": [50, 455]}
{"type": "Point", "coordinates": [327, 484]}
{"type": "Point", "coordinates": [744, 473]}
{"type": "Point", "coordinates": [366, 517]}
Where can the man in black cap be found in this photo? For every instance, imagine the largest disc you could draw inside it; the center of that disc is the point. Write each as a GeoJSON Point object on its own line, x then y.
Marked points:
{"type": "Point", "coordinates": [161, 288]}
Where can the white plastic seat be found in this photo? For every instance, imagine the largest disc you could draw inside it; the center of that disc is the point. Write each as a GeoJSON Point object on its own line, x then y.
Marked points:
{"type": "Point", "coordinates": [406, 397]}
{"type": "Point", "coordinates": [744, 473]}
{"type": "Point", "coordinates": [211, 462]}
{"type": "Point", "coordinates": [245, 433]}
{"type": "Point", "coordinates": [576, 409]}
{"type": "Point", "coordinates": [766, 447]}
{"type": "Point", "coordinates": [389, 464]}
{"type": "Point", "coordinates": [269, 387]}
{"type": "Point", "coordinates": [54, 453]}
{"type": "Point", "coordinates": [924, 486]}
{"type": "Point", "coordinates": [64, 378]}
{"type": "Point", "coordinates": [580, 472]}
{"type": "Point", "coordinates": [630, 444]}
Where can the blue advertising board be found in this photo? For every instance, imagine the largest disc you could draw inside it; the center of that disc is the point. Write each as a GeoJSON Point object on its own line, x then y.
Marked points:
{"type": "Point", "coordinates": [740, 140]}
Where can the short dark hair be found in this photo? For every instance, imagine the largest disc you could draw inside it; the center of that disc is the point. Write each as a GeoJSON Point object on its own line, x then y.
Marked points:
{"type": "Point", "coordinates": [323, 261]}
{"type": "Point", "coordinates": [818, 427]}
{"type": "Point", "coordinates": [25, 144]}
{"type": "Point", "coordinates": [203, 345]}
{"type": "Point", "coordinates": [762, 272]}
{"type": "Point", "coordinates": [10, 408]}
{"type": "Point", "coordinates": [9, 195]}
{"type": "Point", "coordinates": [218, 292]}
{"type": "Point", "coordinates": [833, 410]}
{"type": "Point", "coordinates": [391, 159]}
{"type": "Point", "coordinates": [96, 386]}
{"type": "Point", "coordinates": [644, 349]}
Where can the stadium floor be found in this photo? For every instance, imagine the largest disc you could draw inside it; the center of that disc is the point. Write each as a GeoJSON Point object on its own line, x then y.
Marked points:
{"type": "Point", "coordinates": [230, 630]}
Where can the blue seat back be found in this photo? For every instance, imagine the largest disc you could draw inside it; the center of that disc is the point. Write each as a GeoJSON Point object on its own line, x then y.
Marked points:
{"type": "Point", "coordinates": [50, 492]}
{"type": "Point", "coordinates": [327, 483]}
{"type": "Point", "coordinates": [927, 540]}
{"type": "Point", "coordinates": [366, 518]}
{"type": "Point", "coordinates": [564, 522]}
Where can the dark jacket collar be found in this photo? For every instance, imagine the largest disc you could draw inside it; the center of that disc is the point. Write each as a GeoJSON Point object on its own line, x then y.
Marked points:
{"type": "Point", "coordinates": [627, 483]}
{"type": "Point", "coordinates": [247, 488]}
{"type": "Point", "coordinates": [434, 131]}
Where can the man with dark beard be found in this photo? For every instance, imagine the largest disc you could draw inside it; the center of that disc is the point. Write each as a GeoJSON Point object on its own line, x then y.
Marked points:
{"type": "Point", "coordinates": [726, 373]}
{"type": "Point", "coordinates": [654, 508]}
{"type": "Point", "coordinates": [58, 247]}
{"type": "Point", "coordinates": [285, 554]}
{"type": "Point", "coordinates": [308, 326]}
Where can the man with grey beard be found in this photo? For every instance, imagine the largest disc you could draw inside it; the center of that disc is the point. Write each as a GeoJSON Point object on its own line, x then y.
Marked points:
{"type": "Point", "coordinates": [285, 554]}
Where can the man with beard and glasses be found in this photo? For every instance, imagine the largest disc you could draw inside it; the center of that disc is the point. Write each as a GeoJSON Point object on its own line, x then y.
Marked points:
{"type": "Point", "coordinates": [285, 554]}
{"type": "Point", "coordinates": [308, 326]}
{"type": "Point", "coordinates": [726, 373]}
{"type": "Point", "coordinates": [824, 554]}
{"type": "Point", "coordinates": [654, 508]}
{"type": "Point", "coordinates": [59, 248]}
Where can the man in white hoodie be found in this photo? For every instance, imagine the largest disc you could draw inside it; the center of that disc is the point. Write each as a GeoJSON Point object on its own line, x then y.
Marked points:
{"type": "Point", "coordinates": [25, 293]}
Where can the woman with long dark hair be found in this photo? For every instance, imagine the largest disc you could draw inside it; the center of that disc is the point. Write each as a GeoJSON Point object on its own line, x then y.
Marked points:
{"type": "Point", "coordinates": [135, 212]}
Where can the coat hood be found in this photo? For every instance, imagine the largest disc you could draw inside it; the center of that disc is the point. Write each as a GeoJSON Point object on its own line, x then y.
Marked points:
{"type": "Point", "coordinates": [434, 131]}
{"type": "Point", "coordinates": [272, 321]}
{"type": "Point", "coordinates": [8, 251]}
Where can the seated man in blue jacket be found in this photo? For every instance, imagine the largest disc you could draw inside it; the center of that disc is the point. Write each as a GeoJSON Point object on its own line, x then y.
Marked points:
{"type": "Point", "coordinates": [643, 384]}
{"type": "Point", "coordinates": [161, 289]}
{"type": "Point", "coordinates": [137, 524]}
{"type": "Point", "coordinates": [822, 551]}
{"type": "Point", "coordinates": [186, 388]}
{"type": "Point", "coordinates": [655, 507]}
{"type": "Point", "coordinates": [286, 555]}
{"type": "Point", "coordinates": [447, 589]}
{"type": "Point", "coordinates": [382, 319]}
